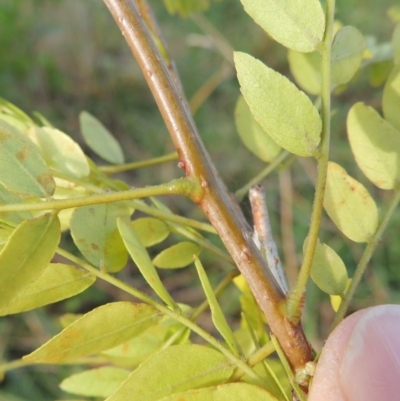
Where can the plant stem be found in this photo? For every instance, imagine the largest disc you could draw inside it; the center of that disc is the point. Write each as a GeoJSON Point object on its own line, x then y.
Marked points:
{"type": "Point", "coordinates": [295, 299]}
{"type": "Point", "coordinates": [365, 258]}
{"type": "Point", "coordinates": [214, 200]}
{"type": "Point", "coordinates": [136, 165]}
{"type": "Point", "coordinates": [183, 186]}
{"type": "Point", "coordinates": [163, 309]}
{"type": "Point", "coordinates": [240, 193]}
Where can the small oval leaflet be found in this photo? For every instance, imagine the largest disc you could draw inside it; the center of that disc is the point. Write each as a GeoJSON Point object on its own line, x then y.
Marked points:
{"type": "Point", "coordinates": [150, 230]}
{"type": "Point", "coordinates": [89, 335]}
{"type": "Point", "coordinates": [328, 270]}
{"type": "Point", "coordinates": [101, 382]}
{"type": "Point", "coordinates": [252, 134]}
{"type": "Point", "coordinates": [194, 366]}
{"type": "Point", "coordinates": [350, 205]}
{"type": "Point", "coordinates": [177, 256]}
{"type": "Point", "coordinates": [375, 144]}
{"type": "Point", "coordinates": [296, 24]}
{"type": "Point", "coordinates": [99, 139]}
{"type": "Point", "coordinates": [285, 112]}
{"type": "Point", "coordinates": [347, 50]}
{"type": "Point", "coordinates": [23, 170]}
{"type": "Point", "coordinates": [391, 98]}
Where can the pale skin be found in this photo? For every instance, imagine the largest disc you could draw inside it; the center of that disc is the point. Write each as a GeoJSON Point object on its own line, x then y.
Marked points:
{"type": "Point", "coordinates": [361, 359]}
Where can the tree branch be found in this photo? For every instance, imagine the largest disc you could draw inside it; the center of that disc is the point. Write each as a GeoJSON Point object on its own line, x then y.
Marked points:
{"type": "Point", "coordinates": [214, 199]}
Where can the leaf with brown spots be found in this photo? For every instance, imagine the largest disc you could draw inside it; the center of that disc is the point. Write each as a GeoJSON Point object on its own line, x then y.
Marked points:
{"type": "Point", "coordinates": [23, 170]}
{"type": "Point", "coordinates": [350, 205]}
{"type": "Point", "coordinates": [103, 328]}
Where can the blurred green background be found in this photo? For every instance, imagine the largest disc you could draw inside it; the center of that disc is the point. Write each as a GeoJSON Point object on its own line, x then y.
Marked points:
{"type": "Point", "coordinates": [63, 56]}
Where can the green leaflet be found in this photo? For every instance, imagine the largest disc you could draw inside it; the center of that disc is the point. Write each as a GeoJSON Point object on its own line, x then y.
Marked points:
{"type": "Point", "coordinates": [296, 24]}
{"type": "Point", "coordinates": [95, 233]}
{"type": "Point", "coordinates": [99, 139]}
{"type": "Point", "coordinates": [186, 7]}
{"type": "Point", "coordinates": [23, 170]}
{"type": "Point", "coordinates": [150, 230]}
{"type": "Point", "coordinates": [328, 270]}
{"type": "Point", "coordinates": [305, 68]}
{"type": "Point", "coordinates": [57, 282]}
{"type": "Point", "coordinates": [60, 152]}
{"type": "Point", "coordinates": [26, 254]}
{"type": "Point", "coordinates": [396, 44]}
{"type": "Point", "coordinates": [225, 392]}
{"type": "Point", "coordinates": [375, 145]}
{"type": "Point", "coordinates": [140, 256]}
{"type": "Point", "coordinates": [100, 329]}
{"type": "Point", "coordinates": [284, 111]}
{"type": "Point", "coordinates": [173, 370]}
{"type": "Point", "coordinates": [252, 135]}
{"type": "Point", "coordinates": [217, 315]}
{"type": "Point", "coordinates": [101, 382]}
{"type": "Point", "coordinates": [12, 218]}
{"type": "Point", "coordinates": [347, 48]}
{"type": "Point", "coordinates": [391, 98]}
{"type": "Point", "coordinates": [177, 256]}
{"type": "Point", "coordinates": [350, 205]}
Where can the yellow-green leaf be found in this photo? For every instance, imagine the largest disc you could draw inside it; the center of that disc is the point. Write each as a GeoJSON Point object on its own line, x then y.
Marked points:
{"type": "Point", "coordinates": [142, 259]}
{"type": "Point", "coordinates": [12, 218]}
{"type": "Point", "coordinates": [216, 312]}
{"type": "Point", "coordinates": [177, 256]}
{"type": "Point", "coordinates": [252, 134]}
{"type": "Point", "coordinates": [102, 328]}
{"type": "Point", "coordinates": [23, 170]}
{"type": "Point", "coordinates": [296, 24]}
{"type": "Point", "coordinates": [60, 152]}
{"type": "Point", "coordinates": [101, 382]}
{"type": "Point", "coordinates": [99, 139]}
{"type": "Point", "coordinates": [224, 392]}
{"type": "Point", "coordinates": [391, 98]}
{"type": "Point", "coordinates": [328, 270]}
{"type": "Point", "coordinates": [150, 230]}
{"type": "Point", "coordinates": [285, 112]}
{"type": "Point", "coordinates": [174, 370]}
{"type": "Point", "coordinates": [350, 205]}
{"type": "Point", "coordinates": [306, 68]}
{"type": "Point", "coordinates": [95, 233]}
{"type": "Point", "coordinates": [375, 145]}
{"type": "Point", "coordinates": [347, 52]}
{"type": "Point", "coordinates": [58, 281]}
{"type": "Point", "coordinates": [27, 253]}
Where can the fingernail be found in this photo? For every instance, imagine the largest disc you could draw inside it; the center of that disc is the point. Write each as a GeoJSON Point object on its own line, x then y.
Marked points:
{"type": "Point", "coordinates": [370, 369]}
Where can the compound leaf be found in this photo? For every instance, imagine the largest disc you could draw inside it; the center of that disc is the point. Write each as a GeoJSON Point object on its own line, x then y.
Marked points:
{"type": "Point", "coordinates": [26, 254]}
{"type": "Point", "coordinates": [375, 145]}
{"type": "Point", "coordinates": [296, 24]}
{"type": "Point", "coordinates": [100, 329]}
{"type": "Point", "coordinates": [177, 256]}
{"type": "Point", "coordinates": [216, 312]}
{"type": "Point", "coordinates": [174, 370]}
{"type": "Point", "coordinates": [285, 112]}
{"type": "Point", "coordinates": [99, 139]}
{"type": "Point", "coordinates": [23, 170]}
{"type": "Point", "coordinates": [57, 282]}
{"type": "Point", "coordinates": [347, 52]}
{"type": "Point", "coordinates": [140, 256]}
{"type": "Point", "coordinates": [95, 233]}
{"type": "Point", "coordinates": [60, 152]}
{"type": "Point", "coordinates": [150, 230]}
{"type": "Point", "coordinates": [350, 205]}
{"type": "Point", "coordinates": [391, 98]}
{"type": "Point", "coordinates": [101, 382]}
{"type": "Point", "coordinates": [328, 270]}
{"type": "Point", "coordinates": [252, 134]}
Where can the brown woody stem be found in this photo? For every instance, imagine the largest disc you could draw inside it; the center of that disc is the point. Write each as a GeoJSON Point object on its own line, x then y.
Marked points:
{"type": "Point", "coordinates": [214, 199]}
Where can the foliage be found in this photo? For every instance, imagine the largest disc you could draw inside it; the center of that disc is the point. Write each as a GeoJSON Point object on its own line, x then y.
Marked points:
{"type": "Point", "coordinates": [49, 188]}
